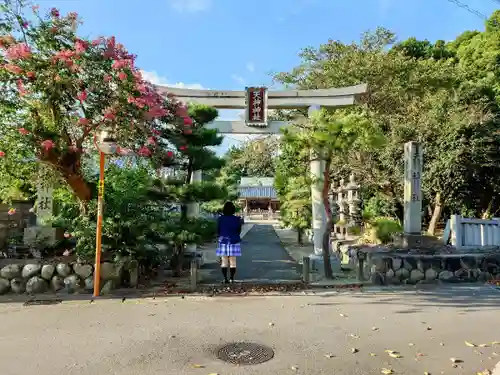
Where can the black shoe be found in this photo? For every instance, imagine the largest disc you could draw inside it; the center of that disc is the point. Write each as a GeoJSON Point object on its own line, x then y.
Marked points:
{"type": "Point", "coordinates": [226, 281]}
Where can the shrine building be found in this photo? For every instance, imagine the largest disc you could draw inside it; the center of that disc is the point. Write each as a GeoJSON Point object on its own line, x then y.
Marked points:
{"type": "Point", "coordinates": [258, 194]}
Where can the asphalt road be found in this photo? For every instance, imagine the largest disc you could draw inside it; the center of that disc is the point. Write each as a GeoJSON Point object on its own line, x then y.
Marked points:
{"type": "Point", "coordinates": [311, 334]}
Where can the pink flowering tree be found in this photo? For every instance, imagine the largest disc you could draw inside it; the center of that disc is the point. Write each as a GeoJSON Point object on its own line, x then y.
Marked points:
{"type": "Point", "coordinates": [58, 90]}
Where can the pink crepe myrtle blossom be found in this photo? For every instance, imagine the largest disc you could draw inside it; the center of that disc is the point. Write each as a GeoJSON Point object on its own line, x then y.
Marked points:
{"type": "Point", "coordinates": [151, 141]}
{"type": "Point", "coordinates": [23, 131]}
{"type": "Point", "coordinates": [170, 154]}
{"type": "Point", "coordinates": [30, 75]}
{"type": "Point", "coordinates": [20, 88]}
{"type": "Point", "coordinates": [18, 51]}
{"type": "Point", "coordinates": [122, 76]}
{"type": "Point", "coordinates": [13, 68]}
{"type": "Point", "coordinates": [81, 46]}
{"type": "Point", "coordinates": [183, 148]}
{"type": "Point", "coordinates": [188, 121]}
{"type": "Point", "coordinates": [2, 154]}
{"type": "Point", "coordinates": [48, 144]}
{"type": "Point", "coordinates": [181, 111]}
{"type": "Point", "coordinates": [54, 12]}
{"type": "Point", "coordinates": [107, 78]}
{"type": "Point", "coordinates": [11, 211]}
{"type": "Point", "coordinates": [83, 121]}
{"type": "Point", "coordinates": [109, 115]}
{"type": "Point", "coordinates": [144, 151]}
{"type": "Point", "coordinates": [82, 96]}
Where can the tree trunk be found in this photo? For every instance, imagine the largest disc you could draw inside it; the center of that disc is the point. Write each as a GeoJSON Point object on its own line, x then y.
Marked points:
{"type": "Point", "coordinates": [299, 236]}
{"type": "Point", "coordinates": [436, 215]}
{"type": "Point", "coordinates": [487, 213]}
{"type": "Point", "coordinates": [329, 221]}
{"type": "Point", "coordinates": [79, 186]}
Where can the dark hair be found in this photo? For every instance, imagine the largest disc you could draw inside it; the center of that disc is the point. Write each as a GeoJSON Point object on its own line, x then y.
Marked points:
{"type": "Point", "coordinates": [229, 209]}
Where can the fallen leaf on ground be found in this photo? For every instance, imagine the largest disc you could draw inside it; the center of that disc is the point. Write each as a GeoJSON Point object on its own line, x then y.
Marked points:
{"type": "Point", "coordinates": [455, 360]}
{"type": "Point", "coordinates": [373, 354]}
{"type": "Point", "coordinates": [387, 371]}
{"type": "Point", "coordinates": [469, 344]}
{"type": "Point", "coordinates": [343, 315]}
{"type": "Point", "coordinates": [374, 329]}
{"type": "Point", "coordinates": [495, 343]}
{"type": "Point", "coordinates": [271, 324]}
{"type": "Point", "coordinates": [354, 336]}
{"type": "Point", "coordinates": [426, 373]}
{"type": "Point", "coordinates": [390, 351]}
{"type": "Point", "coordinates": [483, 345]}
{"type": "Point", "coordinates": [411, 344]}
{"type": "Point", "coordinates": [395, 355]}
{"type": "Point", "coordinates": [354, 350]}
{"type": "Point", "coordinates": [485, 372]}
{"type": "Point", "coordinates": [214, 373]}
{"type": "Point", "coordinates": [420, 354]}
{"type": "Point", "coordinates": [329, 355]}
{"type": "Point", "coordinates": [429, 328]}
{"type": "Point", "coordinates": [198, 366]}
{"type": "Point", "coordinates": [295, 368]}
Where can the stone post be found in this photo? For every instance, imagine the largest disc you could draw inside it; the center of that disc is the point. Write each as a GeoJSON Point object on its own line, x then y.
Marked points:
{"type": "Point", "coordinates": [317, 166]}
{"type": "Point", "coordinates": [354, 202]}
{"type": "Point", "coordinates": [413, 156]}
{"type": "Point", "coordinates": [318, 208]}
{"type": "Point", "coordinates": [193, 208]}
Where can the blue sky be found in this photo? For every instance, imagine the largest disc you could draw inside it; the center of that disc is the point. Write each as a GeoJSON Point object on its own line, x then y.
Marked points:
{"type": "Point", "coordinates": [230, 44]}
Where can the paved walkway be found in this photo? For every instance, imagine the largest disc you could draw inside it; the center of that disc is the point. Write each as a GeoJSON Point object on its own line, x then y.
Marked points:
{"type": "Point", "coordinates": [263, 259]}
{"type": "Point", "coordinates": [330, 333]}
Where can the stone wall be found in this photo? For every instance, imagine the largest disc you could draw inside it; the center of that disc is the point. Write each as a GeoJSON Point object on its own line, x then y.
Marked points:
{"type": "Point", "coordinates": [394, 269]}
{"type": "Point", "coordinates": [45, 277]}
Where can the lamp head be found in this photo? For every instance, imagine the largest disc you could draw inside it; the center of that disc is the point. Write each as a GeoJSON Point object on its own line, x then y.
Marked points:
{"type": "Point", "coordinates": [107, 142]}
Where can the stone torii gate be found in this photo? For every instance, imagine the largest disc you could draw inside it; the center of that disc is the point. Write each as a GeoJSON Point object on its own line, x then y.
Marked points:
{"type": "Point", "coordinates": [256, 101]}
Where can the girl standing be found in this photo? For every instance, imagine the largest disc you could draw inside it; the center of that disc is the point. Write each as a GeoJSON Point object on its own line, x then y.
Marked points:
{"type": "Point", "coordinates": [229, 241]}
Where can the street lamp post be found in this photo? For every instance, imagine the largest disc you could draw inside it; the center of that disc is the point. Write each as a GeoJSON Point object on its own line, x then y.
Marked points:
{"type": "Point", "coordinates": [106, 145]}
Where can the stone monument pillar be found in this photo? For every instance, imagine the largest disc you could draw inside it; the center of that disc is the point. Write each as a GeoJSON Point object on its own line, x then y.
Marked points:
{"type": "Point", "coordinates": [44, 209]}
{"type": "Point", "coordinates": [412, 225]}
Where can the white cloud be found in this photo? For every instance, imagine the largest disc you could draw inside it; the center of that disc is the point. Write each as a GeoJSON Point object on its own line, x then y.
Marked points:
{"type": "Point", "coordinates": [190, 6]}
{"type": "Point", "coordinates": [250, 67]}
{"type": "Point", "coordinates": [239, 79]}
{"type": "Point", "coordinates": [156, 79]}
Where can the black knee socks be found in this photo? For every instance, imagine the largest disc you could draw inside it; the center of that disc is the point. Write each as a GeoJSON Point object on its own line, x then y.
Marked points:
{"type": "Point", "coordinates": [224, 272]}
{"type": "Point", "coordinates": [232, 271]}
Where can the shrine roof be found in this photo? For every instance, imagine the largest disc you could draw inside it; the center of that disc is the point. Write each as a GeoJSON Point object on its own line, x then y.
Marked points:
{"type": "Point", "coordinates": [257, 182]}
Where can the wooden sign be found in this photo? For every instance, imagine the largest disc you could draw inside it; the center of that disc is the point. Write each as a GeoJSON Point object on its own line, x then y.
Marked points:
{"type": "Point", "coordinates": [256, 106]}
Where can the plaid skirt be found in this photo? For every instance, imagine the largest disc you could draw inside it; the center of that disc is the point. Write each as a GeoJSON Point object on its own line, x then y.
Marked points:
{"type": "Point", "coordinates": [227, 249]}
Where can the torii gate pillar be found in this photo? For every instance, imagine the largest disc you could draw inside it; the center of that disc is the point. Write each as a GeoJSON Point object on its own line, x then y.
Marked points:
{"type": "Point", "coordinates": [256, 101]}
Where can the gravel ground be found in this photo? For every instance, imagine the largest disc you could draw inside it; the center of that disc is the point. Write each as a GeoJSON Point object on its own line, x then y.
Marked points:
{"type": "Point", "coordinates": [322, 333]}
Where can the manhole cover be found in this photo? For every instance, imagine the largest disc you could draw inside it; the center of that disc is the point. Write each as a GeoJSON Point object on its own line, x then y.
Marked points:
{"type": "Point", "coordinates": [42, 302]}
{"type": "Point", "coordinates": [245, 353]}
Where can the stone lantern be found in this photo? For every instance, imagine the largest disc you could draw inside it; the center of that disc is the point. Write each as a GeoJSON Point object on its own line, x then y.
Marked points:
{"type": "Point", "coordinates": [354, 202]}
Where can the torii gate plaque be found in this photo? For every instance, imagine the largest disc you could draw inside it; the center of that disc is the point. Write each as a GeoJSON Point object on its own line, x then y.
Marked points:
{"type": "Point", "coordinates": [256, 101]}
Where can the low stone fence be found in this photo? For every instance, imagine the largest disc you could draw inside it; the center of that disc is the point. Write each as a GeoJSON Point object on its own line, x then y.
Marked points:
{"type": "Point", "coordinates": [395, 269]}
{"type": "Point", "coordinates": [60, 277]}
